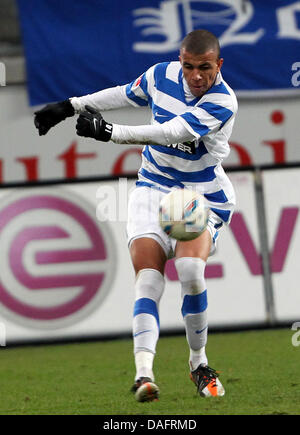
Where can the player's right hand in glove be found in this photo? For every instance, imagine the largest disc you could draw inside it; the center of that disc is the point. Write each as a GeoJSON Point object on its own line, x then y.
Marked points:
{"type": "Point", "coordinates": [51, 115]}
{"type": "Point", "coordinates": [91, 124]}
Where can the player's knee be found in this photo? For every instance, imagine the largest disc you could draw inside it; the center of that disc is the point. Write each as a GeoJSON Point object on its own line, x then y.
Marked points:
{"type": "Point", "coordinates": [149, 287]}
{"type": "Point", "coordinates": [146, 254]}
{"type": "Point", "coordinates": [193, 288]}
{"type": "Point", "coordinates": [190, 272]}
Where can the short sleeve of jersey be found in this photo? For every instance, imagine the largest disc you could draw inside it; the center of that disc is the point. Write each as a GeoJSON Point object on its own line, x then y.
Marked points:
{"type": "Point", "coordinates": [212, 112]}
{"type": "Point", "coordinates": [138, 91]}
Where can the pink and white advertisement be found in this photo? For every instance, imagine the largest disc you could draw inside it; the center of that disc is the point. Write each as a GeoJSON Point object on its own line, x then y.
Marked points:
{"type": "Point", "coordinates": [66, 271]}
{"type": "Point", "coordinates": [282, 202]}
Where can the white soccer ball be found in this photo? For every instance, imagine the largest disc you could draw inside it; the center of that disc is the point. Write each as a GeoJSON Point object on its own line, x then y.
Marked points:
{"type": "Point", "coordinates": [183, 214]}
{"type": "Point", "coordinates": [147, 392]}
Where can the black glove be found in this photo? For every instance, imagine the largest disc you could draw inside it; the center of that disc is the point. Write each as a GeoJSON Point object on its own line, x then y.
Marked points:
{"type": "Point", "coordinates": [51, 115]}
{"type": "Point", "coordinates": [91, 124]}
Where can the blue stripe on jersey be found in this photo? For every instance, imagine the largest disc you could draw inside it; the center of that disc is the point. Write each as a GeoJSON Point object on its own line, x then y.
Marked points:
{"type": "Point", "coordinates": [218, 112]}
{"type": "Point", "coordinates": [200, 151]}
{"type": "Point", "coordinates": [194, 304]}
{"type": "Point", "coordinates": [223, 214]}
{"type": "Point", "coordinates": [207, 174]}
{"type": "Point", "coordinates": [160, 179]}
{"type": "Point", "coordinates": [165, 114]}
{"type": "Point", "coordinates": [218, 89]}
{"type": "Point", "coordinates": [144, 85]}
{"type": "Point", "coordinates": [148, 306]}
{"type": "Point", "coordinates": [166, 85]}
{"type": "Point", "coordinates": [216, 196]}
{"type": "Point", "coordinates": [145, 184]}
{"type": "Point", "coordinates": [131, 95]}
{"type": "Point", "coordinates": [196, 125]}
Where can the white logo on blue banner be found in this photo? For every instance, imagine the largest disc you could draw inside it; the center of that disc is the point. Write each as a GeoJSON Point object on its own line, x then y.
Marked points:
{"type": "Point", "coordinates": [260, 42]}
{"type": "Point", "coordinates": [175, 18]}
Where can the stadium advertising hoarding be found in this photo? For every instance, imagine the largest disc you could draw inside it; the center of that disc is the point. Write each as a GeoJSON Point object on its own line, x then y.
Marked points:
{"type": "Point", "coordinates": [59, 265]}
{"type": "Point", "coordinates": [265, 132]}
{"type": "Point", "coordinates": [66, 271]}
{"type": "Point", "coordinates": [116, 42]}
{"type": "Point", "coordinates": [282, 203]}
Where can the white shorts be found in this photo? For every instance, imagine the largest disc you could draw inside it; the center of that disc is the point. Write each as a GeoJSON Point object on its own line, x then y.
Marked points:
{"type": "Point", "coordinates": [143, 220]}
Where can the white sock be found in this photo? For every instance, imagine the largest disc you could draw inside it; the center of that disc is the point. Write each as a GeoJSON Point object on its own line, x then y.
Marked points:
{"type": "Point", "coordinates": [194, 308]}
{"type": "Point", "coordinates": [144, 365]}
{"type": "Point", "coordinates": [149, 288]}
{"type": "Point", "coordinates": [197, 357]}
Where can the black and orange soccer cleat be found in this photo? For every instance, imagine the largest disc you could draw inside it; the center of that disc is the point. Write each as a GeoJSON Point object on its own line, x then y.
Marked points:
{"type": "Point", "coordinates": [207, 381]}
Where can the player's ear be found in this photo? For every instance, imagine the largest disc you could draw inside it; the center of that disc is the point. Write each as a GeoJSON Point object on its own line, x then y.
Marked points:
{"type": "Point", "coordinates": [179, 57]}
{"type": "Point", "coordinates": [220, 63]}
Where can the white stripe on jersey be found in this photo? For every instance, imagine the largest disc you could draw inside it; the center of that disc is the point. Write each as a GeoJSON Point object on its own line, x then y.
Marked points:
{"type": "Point", "coordinates": [167, 102]}
{"type": "Point", "coordinates": [172, 73]}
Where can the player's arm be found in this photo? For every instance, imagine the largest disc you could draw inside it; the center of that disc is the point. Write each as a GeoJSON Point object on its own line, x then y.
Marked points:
{"type": "Point", "coordinates": [133, 94]}
{"type": "Point", "coordinates": [91, 124]}
{"type": "Point", "coordinates": [53, 114]}
{"type": "Point", "coordinates": [206, 119]}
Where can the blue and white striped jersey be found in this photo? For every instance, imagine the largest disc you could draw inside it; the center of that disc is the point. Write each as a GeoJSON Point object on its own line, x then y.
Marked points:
{"type": "Point", "coordinates": [209, 119]}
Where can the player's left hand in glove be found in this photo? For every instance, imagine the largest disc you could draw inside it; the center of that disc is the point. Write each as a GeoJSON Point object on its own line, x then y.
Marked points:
{"type": "Point", "coordinates": [91, 124]}
{"type": "Point", "coordinates": [51, 115]}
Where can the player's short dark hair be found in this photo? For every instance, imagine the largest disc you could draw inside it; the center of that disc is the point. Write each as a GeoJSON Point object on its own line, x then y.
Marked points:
{"type": "Point", "coordinates": [200, 41]}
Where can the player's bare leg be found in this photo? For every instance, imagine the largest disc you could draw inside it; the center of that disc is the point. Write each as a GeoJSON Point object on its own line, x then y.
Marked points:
{"type": "Point", "coordinates": [146, 253]}
{"type": "Point", "coordinates": [148, 260]}
{"type": "Point", "coordinates": [198, 248]}
{"type": "Point", "coordinates": [190, 263]}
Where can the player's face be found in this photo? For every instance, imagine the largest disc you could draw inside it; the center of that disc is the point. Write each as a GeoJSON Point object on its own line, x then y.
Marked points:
{"type": "Point", "coordinates": [200, 70]}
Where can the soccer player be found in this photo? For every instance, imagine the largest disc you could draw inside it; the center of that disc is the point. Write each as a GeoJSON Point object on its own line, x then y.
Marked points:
{"type": "Point", "coordinates": [193, 112]}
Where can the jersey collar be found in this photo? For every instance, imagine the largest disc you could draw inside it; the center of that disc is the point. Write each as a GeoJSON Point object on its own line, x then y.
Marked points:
{"type": "Point", "coordinates": [187, 96]}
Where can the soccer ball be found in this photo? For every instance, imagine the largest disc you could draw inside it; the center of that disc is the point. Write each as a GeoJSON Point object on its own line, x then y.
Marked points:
{"type": "Point", "coordinates": [147, 392]}
{"type": "Point", "coordinates": [183, 214]}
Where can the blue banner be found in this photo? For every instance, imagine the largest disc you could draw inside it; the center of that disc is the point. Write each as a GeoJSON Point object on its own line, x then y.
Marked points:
{"type": "Point", "coordinates": [75, 47]}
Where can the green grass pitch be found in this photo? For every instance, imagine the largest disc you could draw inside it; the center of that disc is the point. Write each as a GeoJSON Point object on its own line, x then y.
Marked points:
{"type": "Point", "coordinates": [259, 370]}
